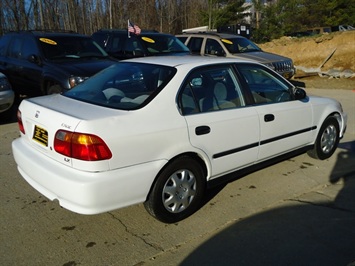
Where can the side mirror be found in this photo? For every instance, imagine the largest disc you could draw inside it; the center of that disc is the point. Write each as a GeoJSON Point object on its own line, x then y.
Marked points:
{"type": "Point", "coordinates": [300, 94]}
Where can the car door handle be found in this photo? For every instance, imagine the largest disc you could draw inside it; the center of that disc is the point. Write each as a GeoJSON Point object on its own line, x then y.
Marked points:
{"type": "Point", "coordinates": [202, 130]}
{"type": "Point", "coordinates": [269, 118]}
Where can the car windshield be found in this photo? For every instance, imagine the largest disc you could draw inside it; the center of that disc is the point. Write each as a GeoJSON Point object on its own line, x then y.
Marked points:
{"type": "Point", "coordinates": [240, 45]}
{"type": "Point", "coordinates": [70, 47]}
{"type": "Point", "coordinates": [163, 44]}
{"type": "Point", "coordinates": [125, 85]}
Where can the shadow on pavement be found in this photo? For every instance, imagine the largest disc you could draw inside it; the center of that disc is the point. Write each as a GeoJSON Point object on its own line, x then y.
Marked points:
{"type": "Point", "coordinates": [306, 231]}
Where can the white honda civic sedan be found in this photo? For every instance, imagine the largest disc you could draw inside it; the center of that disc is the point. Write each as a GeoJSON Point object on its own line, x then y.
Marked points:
{"type": "Point", "coordinates": [162, 130]}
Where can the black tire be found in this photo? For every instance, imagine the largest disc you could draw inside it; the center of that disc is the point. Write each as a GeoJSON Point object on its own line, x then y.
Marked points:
{"type": "Point", "coordinates": [54, 89]}
{"type": "Point", "coordinates": [327, 140]}
{"type": "Point", "coordinates": [177, 192]}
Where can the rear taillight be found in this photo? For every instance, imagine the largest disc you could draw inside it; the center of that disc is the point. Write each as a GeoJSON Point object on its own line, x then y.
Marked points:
{"type": "Point", "coordinates": [19, 122]}
{"type": "Point", "coordinates": [81, 146]}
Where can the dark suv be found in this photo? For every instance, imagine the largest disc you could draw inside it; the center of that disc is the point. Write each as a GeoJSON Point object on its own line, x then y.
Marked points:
{"type": "Point", "coordinates": [43, 62]}
{"type": "Point", "coordinates": [120, 45]}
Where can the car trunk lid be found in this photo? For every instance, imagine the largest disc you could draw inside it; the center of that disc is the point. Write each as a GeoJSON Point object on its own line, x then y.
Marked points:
{"type": "Point", "coordinates": [42, 117]}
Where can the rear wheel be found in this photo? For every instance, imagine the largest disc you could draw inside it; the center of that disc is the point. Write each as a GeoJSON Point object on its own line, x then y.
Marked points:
{"type": "Point", "coordinates": [177, 192]}
{"type": "Point", "coordinates": [327, 140]}
{"type": "Point", "coordinates": [54, 89]}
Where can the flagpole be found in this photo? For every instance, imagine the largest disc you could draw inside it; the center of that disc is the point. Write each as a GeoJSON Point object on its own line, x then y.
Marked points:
{"type": "Point", "coordinates": [128, 28]}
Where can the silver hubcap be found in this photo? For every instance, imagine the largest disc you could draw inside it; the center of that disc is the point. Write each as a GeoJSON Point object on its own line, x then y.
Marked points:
{"type": "Point", "coordinates": [179, 191]}
{"type": "Point", "coordinates": [328, 139]}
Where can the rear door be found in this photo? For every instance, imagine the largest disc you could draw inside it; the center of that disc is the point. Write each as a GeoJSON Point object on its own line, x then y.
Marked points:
{"type": "Point", "coordinates": [219, 123]}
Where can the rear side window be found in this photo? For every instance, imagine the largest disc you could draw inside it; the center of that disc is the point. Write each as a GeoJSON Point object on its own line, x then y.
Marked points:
{"type": "Point", "coordinates": [3, 44]}
{"type": "Point", "coordinates": [195, 44]}
{"type": "Point", "coordinates": [211, 89]}
{"type": "Point", "coordinates": [125, 86]}
{"type": "Point", "coordinates": [116, 43]}
{"type": "Point", "coordinates": [182, 39]}
{"type": "Point", "coordinates": [15, 48]}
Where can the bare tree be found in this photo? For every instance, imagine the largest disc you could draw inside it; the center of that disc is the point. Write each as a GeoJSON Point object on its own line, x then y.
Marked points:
{"type": "Point", "coordinates": [87, 16]}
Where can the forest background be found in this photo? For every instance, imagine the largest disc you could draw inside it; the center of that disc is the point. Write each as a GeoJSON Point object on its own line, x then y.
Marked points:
{"type": "Point", "coordinates": [270, 20]}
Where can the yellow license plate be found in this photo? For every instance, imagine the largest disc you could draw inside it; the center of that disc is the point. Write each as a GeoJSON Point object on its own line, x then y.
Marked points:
{"type": "Point", "coordinates": [40, 135]}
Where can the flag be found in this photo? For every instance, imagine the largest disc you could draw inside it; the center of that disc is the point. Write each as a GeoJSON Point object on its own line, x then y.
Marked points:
{"type": "Point", "coordinates": [133, 28]}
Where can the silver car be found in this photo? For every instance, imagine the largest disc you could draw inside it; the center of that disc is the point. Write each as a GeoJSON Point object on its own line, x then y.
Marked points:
{"type": "Point", "coordinates": [7, 97]}
{"type": "Point", "coordinates": [235, 46]}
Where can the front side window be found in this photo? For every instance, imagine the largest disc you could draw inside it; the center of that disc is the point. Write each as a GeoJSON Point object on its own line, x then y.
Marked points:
{"type": "Point", "coordinates": [265, 86]}
{"type": "Point", "coordinates": [211, 89]}
{"type": "Point", "coordinates": [213, 48]}
{"type": "Point", "coordinates": [125, 86]}
{"type": "Point", "coordinates": [101, 39]}
{"type": "Point", "coordinates": [133, 47]}
{"type": "Point", "coordinates": [29, 48]}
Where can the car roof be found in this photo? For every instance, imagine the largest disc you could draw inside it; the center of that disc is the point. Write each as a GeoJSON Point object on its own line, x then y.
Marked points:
{"type": "Point", "coordinates": [193, 60]}
{"type": "Point", "coordinates": [211, 34]}
{"type": "Point", "coordinates": [49, 33]}
{"type": "Point", "coordinates": [124, 31]}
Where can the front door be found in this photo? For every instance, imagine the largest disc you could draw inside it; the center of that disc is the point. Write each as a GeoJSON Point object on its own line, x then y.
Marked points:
{"type": "Point", "coordinates": [285, 123]}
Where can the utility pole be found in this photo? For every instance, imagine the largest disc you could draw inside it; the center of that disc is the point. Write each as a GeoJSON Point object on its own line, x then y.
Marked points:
{"type": "Point", "coordinates": [256, 4]}
{"type": "Point", "coordinates": [209, 14]}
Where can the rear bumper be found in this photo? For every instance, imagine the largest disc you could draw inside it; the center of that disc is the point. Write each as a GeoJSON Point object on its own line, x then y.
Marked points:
{"type": "Point", "coordinates": [84, 192]}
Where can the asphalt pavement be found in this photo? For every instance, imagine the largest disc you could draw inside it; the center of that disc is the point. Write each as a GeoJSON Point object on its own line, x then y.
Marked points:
{"type": "Point", "coordinates": [300, 211]}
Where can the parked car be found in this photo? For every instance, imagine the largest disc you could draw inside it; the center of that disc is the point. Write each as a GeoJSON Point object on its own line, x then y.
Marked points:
{"type": "Point", "coordinates": [300, 34]}
{"type": "Point", "coordinates": [7, 97]}
{"type": "Point", "coordinates": [235, 46]}
{"type": "Point", "coordinates": [121, 45]}
{"type": "Point", "coordinates": [342, 28]}
{"type": "Point", "coordinates": [160, 130]}
{"type": "Point", "coordinates": [319, 30]}
{"type": "Point", "coordinates": [45, 62]}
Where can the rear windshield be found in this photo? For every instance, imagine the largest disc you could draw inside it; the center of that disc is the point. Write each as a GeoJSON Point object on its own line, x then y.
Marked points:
{"type": "Point", "coordinates": [125, 85]}
{"type": "Point", "coordinates": [70, 47]}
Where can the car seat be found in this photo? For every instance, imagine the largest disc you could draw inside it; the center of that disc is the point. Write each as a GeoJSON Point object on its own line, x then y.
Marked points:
{"type": "Point", "coordinates": [216, 98]}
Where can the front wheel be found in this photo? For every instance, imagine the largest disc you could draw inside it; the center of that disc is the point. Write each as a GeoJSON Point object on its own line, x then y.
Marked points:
{"type": "Point", "coordinates": [327, 140]}
{"type": "Point", "coordinates": [177, 192]}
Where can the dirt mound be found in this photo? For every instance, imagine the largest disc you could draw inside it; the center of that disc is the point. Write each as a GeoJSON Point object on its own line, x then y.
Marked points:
{"type": "Point", "coordinates": [312, 51]}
